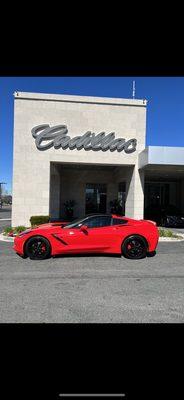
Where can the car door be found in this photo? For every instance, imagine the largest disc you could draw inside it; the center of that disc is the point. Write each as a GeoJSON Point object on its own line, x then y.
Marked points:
{"type": "Point", "coordinates": [104, 234]}
{"type": "Point", "coordinates": [99, 232]}
{"type": "Point", "coordinates": [98, 235]}
{"type": "Point", "coordinates": [72, 239]}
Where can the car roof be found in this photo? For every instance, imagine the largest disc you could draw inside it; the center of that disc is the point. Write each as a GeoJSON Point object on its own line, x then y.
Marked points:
{"type": "Point", "coordinates": [98, 215]}
{"type": "Point", "coordinates": [104, 215]}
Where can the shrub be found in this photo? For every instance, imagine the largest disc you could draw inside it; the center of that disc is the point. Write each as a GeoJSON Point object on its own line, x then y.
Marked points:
{"type": "Point", "coordinates": [39, 219]}
{"type": "Point", "coordinates": [168, 233]}
{"type": "Point", "coordinates": [7, 230]}
{"type": "Point", "coordinates": [19, 229]}
{"type": "Point", "coordinates": [16, 230]}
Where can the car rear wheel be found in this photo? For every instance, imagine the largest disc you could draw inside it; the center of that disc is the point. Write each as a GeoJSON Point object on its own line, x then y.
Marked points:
{"type": "Point", "coordinates": [134, 247]}
{"type": "Point", "coordinates": [37, 248]}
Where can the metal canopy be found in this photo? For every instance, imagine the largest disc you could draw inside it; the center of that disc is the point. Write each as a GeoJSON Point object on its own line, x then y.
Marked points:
{"type": "Point", "coordinates": [156, 157]}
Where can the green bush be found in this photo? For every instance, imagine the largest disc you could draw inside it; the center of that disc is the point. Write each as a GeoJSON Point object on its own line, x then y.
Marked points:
{"type": "Point", "coordinates": [39, 219]}
{"type": "Point", "coordinates": [7, 230]}
{"type": "Point", "coordinates": [19, 229]}
{"type": "Point", "coordinates": [15, 230]}
{"type": "Point", "coordinates": [168, 233]}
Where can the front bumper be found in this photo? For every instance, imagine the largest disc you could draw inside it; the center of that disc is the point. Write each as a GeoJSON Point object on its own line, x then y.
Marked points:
{"type": "Point", "coordinates": [19, 245]}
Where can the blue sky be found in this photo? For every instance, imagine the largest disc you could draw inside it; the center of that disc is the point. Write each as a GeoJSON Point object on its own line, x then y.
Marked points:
{"type": "Point", "coordinates": [165, 110]}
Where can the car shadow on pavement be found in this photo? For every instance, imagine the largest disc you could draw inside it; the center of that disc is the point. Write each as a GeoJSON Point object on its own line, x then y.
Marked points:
{"type": "Point", "coordinates": [152, 254]}
{"type": "Point", "coordinates": [87, 255]}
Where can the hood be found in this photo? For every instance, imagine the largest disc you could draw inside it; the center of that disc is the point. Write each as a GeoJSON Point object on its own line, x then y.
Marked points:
{"type": "Point", "coordinates": [52, 224]}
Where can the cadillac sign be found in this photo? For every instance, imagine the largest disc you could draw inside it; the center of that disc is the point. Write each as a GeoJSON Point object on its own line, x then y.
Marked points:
{"type": "Point", "coordinates": [57, 137]}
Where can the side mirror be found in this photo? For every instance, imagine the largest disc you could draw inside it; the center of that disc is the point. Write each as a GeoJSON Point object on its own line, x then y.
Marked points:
{"type": "Point", "coordinates": [84, 228]}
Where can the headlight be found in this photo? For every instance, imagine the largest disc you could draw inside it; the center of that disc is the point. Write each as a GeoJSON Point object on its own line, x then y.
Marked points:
{"type": "Point", "coordinates": [24, 232]}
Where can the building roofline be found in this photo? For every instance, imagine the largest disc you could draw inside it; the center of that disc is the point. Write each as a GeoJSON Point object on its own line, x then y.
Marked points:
{"type": "Point", "coordinates": [161, 155]}
{"type": "Point", "coordinates": [80, 99]}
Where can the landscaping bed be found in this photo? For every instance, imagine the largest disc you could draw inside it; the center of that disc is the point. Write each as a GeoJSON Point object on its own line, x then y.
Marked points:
{"type": "Point", "coordinates": [165, 234]}
{"type": "Point", "coordinates": [12, 232]}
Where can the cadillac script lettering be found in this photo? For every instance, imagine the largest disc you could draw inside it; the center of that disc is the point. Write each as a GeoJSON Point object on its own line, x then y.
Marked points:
{"type": "Point", "coordinates": [57, 137]}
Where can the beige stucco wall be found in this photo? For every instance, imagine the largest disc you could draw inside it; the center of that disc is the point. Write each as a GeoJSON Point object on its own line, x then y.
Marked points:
{"type": "Point", "coordinates": [31, 167]}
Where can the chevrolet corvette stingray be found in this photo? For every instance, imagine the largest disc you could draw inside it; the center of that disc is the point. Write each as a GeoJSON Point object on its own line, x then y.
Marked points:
{"type": "Point", "coordinates": [97, 233]}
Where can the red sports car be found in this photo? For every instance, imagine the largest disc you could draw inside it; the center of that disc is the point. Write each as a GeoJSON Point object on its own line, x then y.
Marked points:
{"type": "Point", "coordinates": [98, 233]}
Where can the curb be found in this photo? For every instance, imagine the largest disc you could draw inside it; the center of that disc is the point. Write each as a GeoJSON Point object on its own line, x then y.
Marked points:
{"type": "Point", "coordinates": [165, 239]}
{"type": "Point", "coordinates": [6, 239]}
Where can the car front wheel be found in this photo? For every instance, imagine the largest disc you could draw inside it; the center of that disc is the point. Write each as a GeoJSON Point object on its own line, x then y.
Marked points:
{"type": "Point", "coordinates": [37, 248]}
{"type": "Point", "coordinates": [134, 247]}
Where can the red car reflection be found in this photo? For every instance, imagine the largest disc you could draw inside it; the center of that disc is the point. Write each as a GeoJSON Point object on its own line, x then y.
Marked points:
{"type": "Point", "coordinates": [92, 234]}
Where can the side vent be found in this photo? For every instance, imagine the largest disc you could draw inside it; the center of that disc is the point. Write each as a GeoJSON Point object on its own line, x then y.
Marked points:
{"type": "Point", "coordinates": [59, 239]}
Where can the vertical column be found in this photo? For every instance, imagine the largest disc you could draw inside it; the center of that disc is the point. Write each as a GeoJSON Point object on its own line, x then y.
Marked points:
{"type": "Point", "coordinates": [31, 172]}
{"type": "Point", "coordinates": [139, 194]}
{"type": "Point", "coordinates": [30, 193]}
{"type": "Point", "coordinates": [135, 193]}
{"type": "Point", "coordinates": [129, 205]}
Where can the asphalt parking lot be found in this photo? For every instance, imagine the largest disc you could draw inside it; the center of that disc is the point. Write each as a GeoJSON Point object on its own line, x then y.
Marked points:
{"type": "Point", "coordinates": [5, 212]}
{"type": "Point", "coordinates": [83, 289]}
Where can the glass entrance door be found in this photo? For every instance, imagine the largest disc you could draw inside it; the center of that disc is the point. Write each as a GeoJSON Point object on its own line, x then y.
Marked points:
{"type": "Point", "coordinates": [157, 194]}
{"type": "Point", "coordinates": [96, 198]}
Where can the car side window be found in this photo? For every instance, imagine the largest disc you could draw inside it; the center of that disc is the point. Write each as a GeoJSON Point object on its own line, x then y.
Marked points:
{"type": "Point", "coordinates": [98, 222]}
{"type": "Point", "coordinates": [118, 221]}
{"type": "Point", "coordinates": [78, 226]}
{"type": "Point", "coordinates": [77, 223]}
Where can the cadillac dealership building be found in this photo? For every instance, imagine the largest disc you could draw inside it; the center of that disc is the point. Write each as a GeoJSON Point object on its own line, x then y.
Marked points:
{"type": "Point", "coordinates": [90, 150]}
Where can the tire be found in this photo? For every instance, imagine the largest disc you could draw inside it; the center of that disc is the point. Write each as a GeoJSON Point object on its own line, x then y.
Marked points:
{"type": "Point", "coordinates": [134, 247]}
{"type": "Point", "coordinates": [37, 248]}
{"type": "Point", "coordinates": [151, 254]}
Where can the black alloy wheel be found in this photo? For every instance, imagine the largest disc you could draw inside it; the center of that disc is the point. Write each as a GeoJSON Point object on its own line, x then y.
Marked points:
{"type": "Point", "coordinates": [37, 248]}
{"type": "Point", "coordinates": [134, 247]}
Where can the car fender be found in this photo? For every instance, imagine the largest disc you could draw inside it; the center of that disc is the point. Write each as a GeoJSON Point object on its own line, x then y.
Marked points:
{"type": "Point", "coordinates": [139, 235]}
{"type": "Point", "coordinates": [43, 236]}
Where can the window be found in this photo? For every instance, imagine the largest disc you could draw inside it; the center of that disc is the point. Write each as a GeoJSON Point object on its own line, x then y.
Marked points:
{"type": "Point", "coordinates": [98, 222]}
{"type": "Point", "coordinates": [122, 196]}
{"type": "Point", "coordinates": [96, 198]}
{"type": "Point", "coordinates": [76, 223]}
{"type": "Point", "coordinates": [118, 221]}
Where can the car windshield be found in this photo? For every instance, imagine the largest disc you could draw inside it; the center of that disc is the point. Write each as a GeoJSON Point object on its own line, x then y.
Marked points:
{"type": "Point", "coordinates": [76, 222]}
